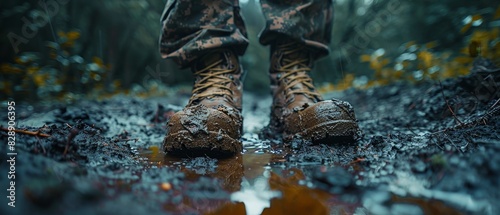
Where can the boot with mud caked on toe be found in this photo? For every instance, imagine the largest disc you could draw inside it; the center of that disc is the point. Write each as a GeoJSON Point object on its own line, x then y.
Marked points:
{"type": "Point", "coordinates": [298, 111]}
{"type": "Point", "coordinates": [211, 123]}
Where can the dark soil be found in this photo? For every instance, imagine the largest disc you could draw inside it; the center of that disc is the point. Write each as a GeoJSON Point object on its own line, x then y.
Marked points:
{"type": "Point", "coordinates": [430, 148]}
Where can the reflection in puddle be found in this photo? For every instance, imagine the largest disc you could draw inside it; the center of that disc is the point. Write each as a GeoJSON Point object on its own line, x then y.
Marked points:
{"type": "Point", "coordinates": [259, 183]}
{"type": "Point", "coordinates": [251, 180]}
{"type": "Point", "coordinates": [256, 197]}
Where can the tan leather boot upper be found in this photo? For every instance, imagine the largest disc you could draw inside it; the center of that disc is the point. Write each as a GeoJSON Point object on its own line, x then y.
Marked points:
{"type": "Point", "coordinates": [211, 123]}
{"type": "Point", "coordinates": [299, 111]}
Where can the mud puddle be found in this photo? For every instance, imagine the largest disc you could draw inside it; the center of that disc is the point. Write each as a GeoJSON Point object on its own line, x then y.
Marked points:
{"type": "Point", "coordinates": [260, 182]}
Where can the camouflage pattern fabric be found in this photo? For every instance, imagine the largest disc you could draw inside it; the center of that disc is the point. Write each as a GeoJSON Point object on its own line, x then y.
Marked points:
{"type": "Point", "coordinates": [307, 21]}
{"type": "Point", "coordinates": [192, 28]}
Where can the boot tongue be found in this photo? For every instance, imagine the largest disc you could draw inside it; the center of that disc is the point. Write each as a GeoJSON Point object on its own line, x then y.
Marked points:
{"type": "Point", "coordinates": [298, 55]}
{"type": "Point", "coordinates": [209, 59]}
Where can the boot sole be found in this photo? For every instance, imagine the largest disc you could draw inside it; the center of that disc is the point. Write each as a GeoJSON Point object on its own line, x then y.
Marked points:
{"type": "Point", "coordinates": [211, 144]}
{"type": "Point", "coordinates": [332, 132]}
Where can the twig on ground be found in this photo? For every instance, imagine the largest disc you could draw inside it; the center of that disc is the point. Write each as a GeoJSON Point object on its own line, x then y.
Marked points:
{"type": "Point", "coordinates": [448, 104]}
{"type": "Point", "coordinates": [32, 133]}
{"type": "Point", "coordinates": [492, 111]}
{"type": "Point", "coordinates": [357, 160]}
{"type": "Point", "coordinates": [71, 136]}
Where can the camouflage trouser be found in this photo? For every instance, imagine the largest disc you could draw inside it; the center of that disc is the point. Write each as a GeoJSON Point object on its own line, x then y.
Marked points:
{"type": "Point", "coordinates": [193, 27]}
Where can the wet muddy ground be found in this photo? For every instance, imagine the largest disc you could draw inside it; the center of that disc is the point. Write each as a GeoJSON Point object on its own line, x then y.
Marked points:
{"type": "Point", "coordinates": [430, 148]}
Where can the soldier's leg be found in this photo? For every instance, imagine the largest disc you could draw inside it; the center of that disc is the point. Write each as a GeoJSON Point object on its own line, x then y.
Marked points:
{"type": "Point", "coordinates": [299, 32]}
{"type": "Point", "coordinates": [193, 28]}
{"type": "Point", "coordinates": [208, 36]}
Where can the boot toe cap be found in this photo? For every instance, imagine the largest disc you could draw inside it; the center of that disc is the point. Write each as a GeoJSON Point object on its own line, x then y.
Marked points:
{"type": "Point", "coordinates": [198, 130]}
{"type": "Point", "coordinates": [322, 120]}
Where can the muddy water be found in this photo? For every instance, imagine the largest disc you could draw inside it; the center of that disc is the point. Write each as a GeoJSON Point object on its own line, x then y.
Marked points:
{"type": "Point", "coordinates": [251, 179]}
{"type": "Point", "coordinates": [260, 182]}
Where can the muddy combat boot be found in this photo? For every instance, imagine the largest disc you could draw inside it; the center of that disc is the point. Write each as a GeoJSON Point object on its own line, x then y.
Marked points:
{"type": "Point", "coordinates": [211, 123]}
{"type": "Point", "coordinates": [298, 110]}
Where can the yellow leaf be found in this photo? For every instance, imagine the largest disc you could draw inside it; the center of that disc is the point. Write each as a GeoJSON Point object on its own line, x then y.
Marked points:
{"type": "Point", "coordinates": [366, 58]}
{"type": "Point", "coordinates": [32, 70]}
{"type": "Point", "coordinates": [383, 82]}
{"type": "Point", "coordinates": [476, 17]}
{"type": "Point", "coordinates": [481, 36]}
{"type": "Point", "coordinates": [98, 61]}
{"type": "Point", "coordinates": [73, 35]}
{"type": "Point", "coordinates": [385, 62]}
{"type": "Point", "coordinates": [406, 63]}
{"type": "Point", "coordinates": [463, 60]}
{"type": "Point", "coordinates": [398, 74]}
{"type": "Point", "coordinates": [466, 27]}
{"type": "Point", "coordinates": [61, 34]}
{"type": "Point", "coordinates": [431, 45]}
{"type": "Point", "coordinates": [464, 71]}
{"type": "Point", "coordinates": [409, 44]}
{"type": "Point", "coordinates": [376, 65]}
{"type": "Point", "coordinates": [68, 44]}
{"type": "Point", "coordinates": [426, 58]}
{"type": "Point", "coordinates": [39, 79]}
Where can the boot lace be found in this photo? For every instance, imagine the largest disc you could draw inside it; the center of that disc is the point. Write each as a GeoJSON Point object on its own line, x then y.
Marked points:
{"type": "Point", "coordinates": [295, 72]}
{"type": "Point", "coordinates": [211, 76]}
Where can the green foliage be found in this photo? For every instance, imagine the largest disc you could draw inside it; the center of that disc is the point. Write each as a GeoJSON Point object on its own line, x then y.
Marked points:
{"type": "Point", "coordinates": [415, 62]}
{"type": "Point", "coordinates": [55, 73]}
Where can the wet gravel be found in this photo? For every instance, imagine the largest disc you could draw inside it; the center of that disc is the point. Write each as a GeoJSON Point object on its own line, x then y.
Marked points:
{"type": "Point", "coordinates": [426, 148]}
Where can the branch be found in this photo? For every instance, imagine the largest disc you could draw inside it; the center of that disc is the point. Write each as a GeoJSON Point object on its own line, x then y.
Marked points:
{"type": "Point", "coordinates": [493, 110]}
{"type": "Point", "coordinates": [31, 133]}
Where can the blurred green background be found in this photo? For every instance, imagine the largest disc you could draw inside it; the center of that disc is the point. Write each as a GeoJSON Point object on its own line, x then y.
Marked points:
{"type": "Point", "coordinates": [101, 48]}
